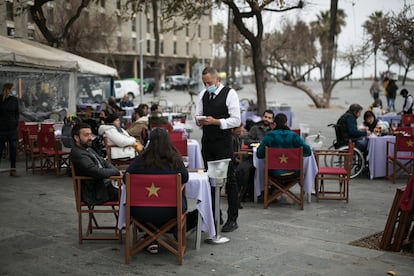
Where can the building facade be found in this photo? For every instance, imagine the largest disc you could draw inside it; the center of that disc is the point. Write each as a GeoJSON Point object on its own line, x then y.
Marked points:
{"type": "Point", "coordinates": [129, 40]}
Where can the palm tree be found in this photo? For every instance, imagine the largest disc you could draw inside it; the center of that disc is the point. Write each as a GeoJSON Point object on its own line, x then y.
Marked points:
{"type": "Point", "coordinates": [321, 28]}
{"type": "Point", "coordinates": [374, 26]}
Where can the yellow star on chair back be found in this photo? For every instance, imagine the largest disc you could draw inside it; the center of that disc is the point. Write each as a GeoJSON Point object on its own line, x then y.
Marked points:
{"type": "Point", "coordinates": [147, 190]}
{"type": "Point", "coordinates": [407, 119]}
{"type": "Point", "coordinates": [404, 143]}
{"type": "Point", "coordinates": [284, 159]}
{"type": "Point", "coordinates": [152, 191]}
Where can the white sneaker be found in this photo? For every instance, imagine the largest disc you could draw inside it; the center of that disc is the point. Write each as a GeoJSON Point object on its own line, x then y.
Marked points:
{"type": "Point", "coordinates": [153, 248]}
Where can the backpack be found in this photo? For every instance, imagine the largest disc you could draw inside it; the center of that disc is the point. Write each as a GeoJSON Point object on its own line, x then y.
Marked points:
{"type": "Point", "coordinates": [66, 137]}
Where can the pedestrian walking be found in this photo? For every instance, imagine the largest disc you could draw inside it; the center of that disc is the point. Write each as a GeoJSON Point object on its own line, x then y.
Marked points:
{"type": "Point", "coordinates": [9, 121]}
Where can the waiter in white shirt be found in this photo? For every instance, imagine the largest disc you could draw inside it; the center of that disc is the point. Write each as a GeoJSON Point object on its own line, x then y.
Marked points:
{"type": "Point", "coordinates": [219, 105]}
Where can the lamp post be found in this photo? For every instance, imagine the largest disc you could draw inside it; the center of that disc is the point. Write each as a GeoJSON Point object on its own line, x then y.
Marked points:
{"type": "Point", "coordinates": [141, 60]}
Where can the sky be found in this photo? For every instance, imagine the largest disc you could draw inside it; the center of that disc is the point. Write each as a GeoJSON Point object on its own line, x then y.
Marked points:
{"type": "Point", "coordinates": [357, 12]}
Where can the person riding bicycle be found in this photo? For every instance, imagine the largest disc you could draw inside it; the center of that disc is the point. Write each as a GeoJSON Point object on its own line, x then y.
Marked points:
{"type": "Point", "coordinates": [347, 128]}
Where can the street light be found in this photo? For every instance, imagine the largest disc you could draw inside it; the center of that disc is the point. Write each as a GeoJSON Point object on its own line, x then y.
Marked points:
{"type": "Point", "coordinates": [141, 60]}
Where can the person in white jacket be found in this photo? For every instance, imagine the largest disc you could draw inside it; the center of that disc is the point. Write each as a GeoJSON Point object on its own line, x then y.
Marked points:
{"type": "Point", "coordinates": [126, 145]}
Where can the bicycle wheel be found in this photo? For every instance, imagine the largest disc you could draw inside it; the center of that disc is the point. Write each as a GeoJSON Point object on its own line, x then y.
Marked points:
{"type": "Point", "coordinates": [358, 161]}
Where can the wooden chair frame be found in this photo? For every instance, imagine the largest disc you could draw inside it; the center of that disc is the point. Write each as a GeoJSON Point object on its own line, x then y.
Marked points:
{"type": "Point", "coordinates": [50, 151]}
{"type": "Point", "coordinates": [20, 142]}
{"type": "Point", "coordinates": [82, 208]}
{"type": "Point", "coordinates": [119, 163]}
{"type": "Point", "coordinates": [340, 173]}
{"type": "Point", "coordinates": [400, 163]}
{"type": "Point", "coordinates": [31, 151]}
{"type": "Point", "coordinates": [153, 233]}
{"type": "Point", "coordinates": [283, 187]}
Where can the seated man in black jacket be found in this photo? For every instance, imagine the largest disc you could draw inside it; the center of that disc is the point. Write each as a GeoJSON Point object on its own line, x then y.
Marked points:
{"type": "Point", "coordinates": [87, 162]}
{"type": "Point", "coordinates": [347, 129]}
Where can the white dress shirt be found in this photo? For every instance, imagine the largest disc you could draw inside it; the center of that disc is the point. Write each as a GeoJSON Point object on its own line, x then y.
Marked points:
{"type": "Point", "coordinates": [233, 106]}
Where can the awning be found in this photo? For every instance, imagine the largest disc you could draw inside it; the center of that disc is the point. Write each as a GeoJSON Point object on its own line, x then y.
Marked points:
{"type": "Point", "coordinates": [27, 53]}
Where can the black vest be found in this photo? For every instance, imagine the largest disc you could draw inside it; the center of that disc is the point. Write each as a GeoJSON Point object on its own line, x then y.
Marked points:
{"type": "Point", "coordinates": [216, 108]}
{"type": "Point", "coordinates": [410, 110]}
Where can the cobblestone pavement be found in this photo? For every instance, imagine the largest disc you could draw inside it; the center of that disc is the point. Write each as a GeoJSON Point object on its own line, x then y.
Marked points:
{"type": "Point", "coordinates": [39, 229]}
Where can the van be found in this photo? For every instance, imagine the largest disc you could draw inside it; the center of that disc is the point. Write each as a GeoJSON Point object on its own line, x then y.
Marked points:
{"type": "Point", "coordinates": [179, 82]}
{"type": "Point", "coordinates": [122, 87]}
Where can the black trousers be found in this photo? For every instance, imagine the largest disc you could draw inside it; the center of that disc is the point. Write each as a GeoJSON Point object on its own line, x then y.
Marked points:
{"type": "Point", "coordinates": [215, 149]}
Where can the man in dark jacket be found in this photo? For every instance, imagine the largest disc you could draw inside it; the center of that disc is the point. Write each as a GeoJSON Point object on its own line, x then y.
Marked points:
{"type": "Point", "coordinates": [87, 162]}
{"type": "Point", "coordinates": [257, 132]}
{"type": "Point", "coordinates": [348, 129]}
{"type": "Point", "coordinates": [9, 120]}
{"type": "Point", "coordinates": [391, 90]}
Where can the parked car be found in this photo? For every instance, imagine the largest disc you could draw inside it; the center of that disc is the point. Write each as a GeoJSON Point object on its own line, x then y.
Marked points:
{"type": "Point", "coordinates": [165, 86]}
{"type": "Point", "coordinates": [122, 87]}
{"type": "Point", "coordinates": [179, 82]}
{"type": "Point", "coordinates": [146, 84]}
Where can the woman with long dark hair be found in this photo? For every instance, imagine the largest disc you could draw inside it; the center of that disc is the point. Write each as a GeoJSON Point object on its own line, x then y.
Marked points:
{"type": "Point", "coordinates": [160, 157]}
{"type": "Point", "coordinates": [9, 121]}
{"type": "Point", "coordinates": [370, 121]}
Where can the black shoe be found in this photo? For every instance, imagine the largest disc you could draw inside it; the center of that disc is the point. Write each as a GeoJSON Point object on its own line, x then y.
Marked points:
{"type": "Point", "coordinates": [230, 226]}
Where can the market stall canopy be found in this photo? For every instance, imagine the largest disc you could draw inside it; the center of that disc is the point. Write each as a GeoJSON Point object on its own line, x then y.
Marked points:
{"type": "Point", "coordinates": [27, 53]}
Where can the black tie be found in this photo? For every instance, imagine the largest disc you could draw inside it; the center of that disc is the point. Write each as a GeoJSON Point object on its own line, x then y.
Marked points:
{"type": "Point", "coordinates": [211, 96]}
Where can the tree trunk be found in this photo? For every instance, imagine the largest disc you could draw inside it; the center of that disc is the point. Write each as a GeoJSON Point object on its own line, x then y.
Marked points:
{"type": "Point", "coordinates": [375, 63]}
{"type": "Point", "coordinates": [326, 81]}
{"type": "Point", "coordinates": [259, 77]}
{"type": "Point", "coordinates": [406, 69]}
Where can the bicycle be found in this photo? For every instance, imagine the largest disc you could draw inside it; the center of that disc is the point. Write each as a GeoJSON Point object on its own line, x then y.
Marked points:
{"type": "Point", "coordinates": [358, 162]}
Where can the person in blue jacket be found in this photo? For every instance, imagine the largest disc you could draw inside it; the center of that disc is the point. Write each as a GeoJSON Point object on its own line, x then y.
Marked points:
{"type": "Point", "coordinates": [282, 137]}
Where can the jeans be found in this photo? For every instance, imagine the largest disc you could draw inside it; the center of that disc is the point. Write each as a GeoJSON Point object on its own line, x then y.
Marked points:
{"type": "Point", "coordinates": [391, 104]}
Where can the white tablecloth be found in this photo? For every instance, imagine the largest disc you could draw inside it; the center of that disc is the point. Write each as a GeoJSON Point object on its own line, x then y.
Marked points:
{"type": "Point", "coordinates": [377, 159]}
{"type": "Point", "coordinates": [128, 111]}
{"type": "Point", "coordinates": [390, 116]}
{"type": "Point", "coordinates": [310, 169]}
{"type": "Point", "coordinates": [195, 159]}
{"type": "Point", "coordinates": [197, 187]}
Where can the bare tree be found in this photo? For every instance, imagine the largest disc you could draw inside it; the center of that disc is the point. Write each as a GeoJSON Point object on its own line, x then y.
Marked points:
{"type": "Point", "coordinates": [53, 38]}
{"type": "Point", "coordinates": [398, 37]}
{"type": "Point", "coordinates": [254, 10]}
{"type": "Point", "coordinates": [294, 49]}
